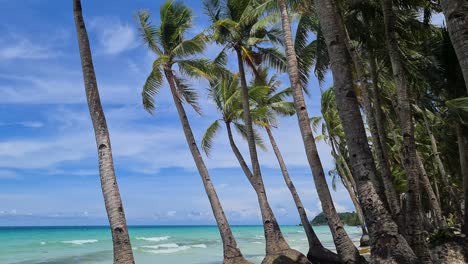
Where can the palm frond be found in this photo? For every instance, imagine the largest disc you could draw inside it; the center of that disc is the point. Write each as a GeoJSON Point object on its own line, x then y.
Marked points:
{"type": "Point", "coordinates": [315, 122]}
{"type": "Point", "coordinates": [195, 68]}
{"type": "Point", "coordinates": [148, 32]}
{"type": "Point", "coordinates": [208, 137]}
{"type": "Point", "coordinates": [187, 94]}
{"type": "Point", "coordinates": [190, 47]}
{"type": "Point", "coordinates": [151, 88]}
{"type": "Point", "coordinates": [273, 58]}
{"type": "Point", "coordinates": [243, 132]}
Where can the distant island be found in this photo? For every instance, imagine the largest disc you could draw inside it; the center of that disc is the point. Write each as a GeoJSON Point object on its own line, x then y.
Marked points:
{"type": "Point", "coordinates": [348, 218]}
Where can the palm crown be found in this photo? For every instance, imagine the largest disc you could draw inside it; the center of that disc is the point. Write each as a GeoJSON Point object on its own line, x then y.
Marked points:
{"type": "Point", "coordinates": [168, 43]}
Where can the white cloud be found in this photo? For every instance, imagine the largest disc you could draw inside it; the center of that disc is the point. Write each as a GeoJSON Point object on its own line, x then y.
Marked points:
{"type": "Point", "coordinates": [31, 124]}
{"type": "Point", "coordinates": [114, 36]}
{"type": "Point", "coordinates": [171, 213]}
{"type": "Point", "coordinates": [15, 47]}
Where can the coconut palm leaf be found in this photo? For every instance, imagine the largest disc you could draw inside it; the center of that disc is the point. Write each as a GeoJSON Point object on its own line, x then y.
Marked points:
{"type": "Point", "coordinates": [208, 138]}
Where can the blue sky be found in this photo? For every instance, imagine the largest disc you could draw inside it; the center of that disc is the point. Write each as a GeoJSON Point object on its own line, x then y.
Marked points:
{"type": "Point", "coordinates": [48, 163]}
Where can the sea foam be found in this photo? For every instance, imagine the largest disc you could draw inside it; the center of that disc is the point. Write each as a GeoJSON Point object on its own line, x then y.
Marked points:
{"type": "Point", "coordinates": [80, 242]}
{"type": "Point", "coordinates": [167, 250]}
{"type": "Point", "coordinates": [154, 239]}
{"type": "Point", "coordinates": [169, 245]}
{"type": "Point", "coordinates": [199, 246]}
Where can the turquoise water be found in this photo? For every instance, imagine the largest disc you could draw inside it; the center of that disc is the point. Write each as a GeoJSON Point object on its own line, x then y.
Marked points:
{"type": "Point", "coordinates": [158, 244]}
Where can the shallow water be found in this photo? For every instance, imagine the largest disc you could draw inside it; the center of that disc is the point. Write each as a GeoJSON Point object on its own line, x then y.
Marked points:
{"type": "Point", "coordinates": [152, 244]}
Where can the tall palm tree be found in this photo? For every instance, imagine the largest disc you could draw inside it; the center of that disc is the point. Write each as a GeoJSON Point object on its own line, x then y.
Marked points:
{"type": "Point", "coordinates": [226, 95]}
{"type": "Point", "coordinates": [389, 194]}
{"type": "Point", "coordinates": [388, 244]}
{"type": "Point", "coordinates": [414, 211]}
{"type": "Point", "coordinates": [234, 26]}
{"type": "Point", "coordinates": [345, 247]}
{"type": "Point", "coordinates": [456, 15]}
{"type": "Point", "coordinates": [272, 103]}
{"type": "Point", "coordinates": [333, 134]}
{"type": "Point", "coordinates": [168, 43]}
{"type": "Point", "coordinates": [121, 241]}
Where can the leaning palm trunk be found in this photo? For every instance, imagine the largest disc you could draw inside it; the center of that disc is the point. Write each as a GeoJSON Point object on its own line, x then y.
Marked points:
{"type": "Point", "coordinates": [352, 194]}
{"type": "Point", "coordinates": [435, 151]}
{"type": "Point", "coordinates": [433, 202]}
{"type": "Point", "coordinates": [381, 153]}
{"type": "Point", "coordinates": [276, 250]}
{"type": "Point", "coordinates": [232, 254]}
{"type": "Point", "coordinates": [317, 252]}
{"type": "Point", "coordinates": [446, 178]}
{"type": "Point", "coordinates": [414, 210]}
{"type": "Point", "coordinates": [344, 246]}
{"type": "Point", "coordinates": [387, 245]}
{"type": "Point", "coordinates": [456, 16]}
{"type": "Point", "coordinates": [462, 138]}
{"type": "Point", "coordinates": [349, 183]}
{"type": "Point", "coordinates": [121, 242]}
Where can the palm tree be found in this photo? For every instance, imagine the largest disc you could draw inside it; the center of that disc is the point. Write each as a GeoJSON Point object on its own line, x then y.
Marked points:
{"type": "Point", "coordinates": [381, 225]}
{"type": "Point", "coordinates": [272, 103]}
{"type": "Point", "coordinates": [121, 241]}
{"type": "Point", "coordinates": [389, 194]}
{"type": "Point", "coordinates": [345, 247]}
{"type": "Point", "coordinates": [333, 134]}
{"type": "Point", "coordinates": [414, 211]}
{"type": "Point", "coordinates": [456, 15]}
{"type": "Point", "coordinates": [226, 95]}
{"type": "Point", "coordinates": [237, 29]}
{"type": "Point", "coordinates": [168, 43]}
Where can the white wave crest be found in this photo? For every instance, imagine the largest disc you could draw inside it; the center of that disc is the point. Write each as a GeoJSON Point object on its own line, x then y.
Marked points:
{"type": "Point", "coordinates": [43, 243]}
{"type": "Point", "coordinates": [154, 239]}
{"type": "Point", "coordinates": [199, 246]}
{"type": "Point", "coordinates": [167, 250]}
{"type": "Point", "coordinates": [80, 242]}
{"type": "Point", "coordinates": [169, 245]}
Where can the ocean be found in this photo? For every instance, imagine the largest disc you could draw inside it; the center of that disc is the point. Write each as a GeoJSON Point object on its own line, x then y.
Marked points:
{"type": "Point", "coordinates": [151, 244]}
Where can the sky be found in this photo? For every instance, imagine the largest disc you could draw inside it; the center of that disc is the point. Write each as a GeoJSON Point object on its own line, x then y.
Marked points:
{"type": "Point", "coordinates": [48, 163]}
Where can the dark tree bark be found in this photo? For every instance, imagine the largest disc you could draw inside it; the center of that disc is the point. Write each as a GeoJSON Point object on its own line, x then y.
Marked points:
{"type": "Point", "coordinates": [456, 16]}
{"type": "Point", "coordinates": [121, 241]}
{"type": "Point", "coordinates": [433, 202]}
{"type": "Point", "coordinates": [387, 245]}
{"type": "Point", "coordinates": [345, 247]}
{"type": "Point", "coordinates": [414, 232]}
{"type": "Point", "coordinates": [389, 192]}
{"type": "Point", "coordinates": [462, 138]}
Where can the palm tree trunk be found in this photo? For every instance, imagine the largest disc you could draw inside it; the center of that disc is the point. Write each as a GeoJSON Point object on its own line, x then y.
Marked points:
{"type": "Point", "coordinates": [386, 243]}
{"type": "Point", "coordinates": [414, 215]}
{"type": "Point", "coordinates": [446, 178]}
{"type": "Point", "coordinates": [462, 138]}
{"type": "Point", "coordinates": [121, 241]}
{"type": "Point", "coordinates": [348, 180]}
{"type": "Point", "coordinates": [232, 254]}
{"type": "Point", "coordinates": [276, 246]}
{"type": "Point", "coordinates": [389, 193]}
{"type": "Point", "coordinates": [440, 165]}
{"type": "Point", "coordinates": [433, 202]}
{"type": "Point", "coordinates": [317, 252]}
{"type": "Point", "coordinates": [344, 246]}
{"type": "Point", "coordinates": [456, 16]}
{"type": "Point", "coordinates": [353, 195]}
